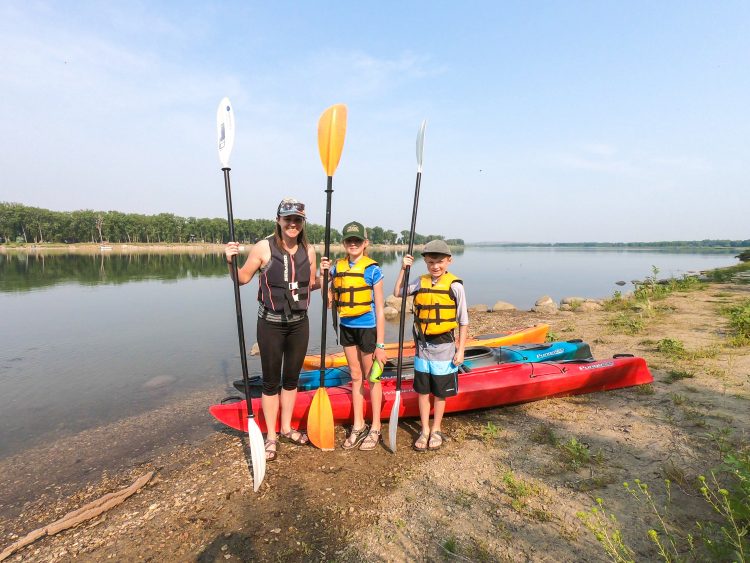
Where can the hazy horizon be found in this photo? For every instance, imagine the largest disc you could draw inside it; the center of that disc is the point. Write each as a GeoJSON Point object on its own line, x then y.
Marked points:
{"type": "Point", "coordinates": [558, 121]}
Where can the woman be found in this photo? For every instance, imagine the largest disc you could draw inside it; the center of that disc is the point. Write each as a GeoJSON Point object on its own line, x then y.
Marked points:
{"type": "Point", "coordinates": [286, 265]}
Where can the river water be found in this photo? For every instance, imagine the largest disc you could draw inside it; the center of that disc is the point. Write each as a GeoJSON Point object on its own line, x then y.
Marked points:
{"type": "Point", "coordinates": [86, 340]}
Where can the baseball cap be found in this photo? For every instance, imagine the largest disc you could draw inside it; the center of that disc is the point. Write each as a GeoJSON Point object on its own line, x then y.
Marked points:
{"type": "Point", "coordinates": [354, 230]}
{"type": "Point", "coordinates": [290, 206]}
{"type": "Point", "coordinates": [436, 246]}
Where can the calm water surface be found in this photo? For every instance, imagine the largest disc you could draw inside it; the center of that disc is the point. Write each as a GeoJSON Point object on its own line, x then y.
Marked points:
{"type": "Point", "coordinates": [85, 340]}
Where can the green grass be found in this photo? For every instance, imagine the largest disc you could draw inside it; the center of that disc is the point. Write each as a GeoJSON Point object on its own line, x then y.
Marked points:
{"type": "Point", "coordinates": [490, 432]}
{"type": "Point", "coordinates": [677, 374]}
{"type": "Point", "coordinates": [726, 274]}
{"type": "Point", "coordinates": [516, 488]}
{"type": "Point", "coordinates": [678, 399]}
{"type": "Point", "coordinates": [627, 323]}
{"type": "Point", "coordinates": [575, 453]}
{"type": "Point", "coordinates": [675, 350]}
{"type": "Point", "coordinates": [647, 389]}
{"type": "Point", "coordinates": [632, 313]}
{"type": "Point", "coordinates": [544, 434]}
{"type": "Point", "coordinates": [739, 320]}
{"type": "Point", "coordinates": [671, 347]}
{"type": "Point", "coordinates": [450, 545]}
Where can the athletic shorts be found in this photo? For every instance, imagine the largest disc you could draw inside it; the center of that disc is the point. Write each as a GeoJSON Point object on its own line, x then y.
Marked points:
{"type": "Point", "coordinates": [434, 371]}
{"type": "Point", "coordinates": [362, 338]}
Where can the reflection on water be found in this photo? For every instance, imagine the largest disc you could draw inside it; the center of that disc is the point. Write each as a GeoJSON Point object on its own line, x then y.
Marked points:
{"type": "Point", "coordinates": [23, 272]}
{"type": "Point", "coordinates": [89, 339]}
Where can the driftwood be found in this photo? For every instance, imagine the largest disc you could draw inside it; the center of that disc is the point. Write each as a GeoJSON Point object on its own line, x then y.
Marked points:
{"type": "Point", "coordinates": [75, 517]}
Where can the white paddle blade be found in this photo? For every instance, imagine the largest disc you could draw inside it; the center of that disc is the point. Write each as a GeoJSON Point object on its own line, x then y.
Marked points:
{"type": "Point", "coordinates": [393, 422]}
{"type": "Point", "coordinates": [225, 130]}
{"type": "Point", "coordinates": [257, 453]}
{"type": "Point", "coordinates": [420, 144]}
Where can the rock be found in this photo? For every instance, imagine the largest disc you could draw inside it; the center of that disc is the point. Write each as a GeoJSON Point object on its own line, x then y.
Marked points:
{"type": "Point", "coordinates": [545, 309]}
{"type": "Point", "coordinates": [565, 307]}
{"type": "Point", "coordinates": [545, 305]}
{"type": "Point", "coordinates": [395, 302]}
{"type": "Point", "coordinates": [390, 313]}
{"type": "Point", "coordinates": [621, 282]}
{"type": "Point", "coordinates": [545, 301]}
{"type": "Point", "coordinates": [503, 306]}
{"type": "Point", "coordinates": [479, 308]}
{"type": "Point", "coordinates": [571, 300]}
{"type": "Point", "coordinates": [590, 306]}
{"type": "Point", "coordinates": [255, 350]}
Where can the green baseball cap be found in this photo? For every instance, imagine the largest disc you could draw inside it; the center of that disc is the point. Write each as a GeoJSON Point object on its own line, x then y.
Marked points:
{"type": "Point", "coordinates": [354, 230]}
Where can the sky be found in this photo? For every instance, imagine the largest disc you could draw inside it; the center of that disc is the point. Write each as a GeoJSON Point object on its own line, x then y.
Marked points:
{"type": "Point", "coordinates": [548, 121]}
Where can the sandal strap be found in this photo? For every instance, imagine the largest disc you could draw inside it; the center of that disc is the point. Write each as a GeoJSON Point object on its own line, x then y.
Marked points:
{"type": "Point", "coordinates": [355, 434]}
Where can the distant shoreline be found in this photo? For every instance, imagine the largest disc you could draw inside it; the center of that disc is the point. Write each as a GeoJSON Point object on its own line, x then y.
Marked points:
{"type": "Point", "coordinates": [607, 245]}
{"type": "Point", "coordinates": [205, 248]}
{"type": "Point", "coordinates": [127, 248]}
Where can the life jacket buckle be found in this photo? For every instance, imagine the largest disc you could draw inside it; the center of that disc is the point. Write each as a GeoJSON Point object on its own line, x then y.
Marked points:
{"type": "Point", "coordinates": [293, 285]}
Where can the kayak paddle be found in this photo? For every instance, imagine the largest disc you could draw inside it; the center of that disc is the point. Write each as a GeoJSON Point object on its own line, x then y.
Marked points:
{"type": "Point", "coordinates": [225, 132]}
{"type": "Point", "coordinates": [331, 133]}
{"type": "Point", "coordinates": [393, 420]}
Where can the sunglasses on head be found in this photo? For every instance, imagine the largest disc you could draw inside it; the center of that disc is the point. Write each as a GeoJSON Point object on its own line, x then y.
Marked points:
{"type": "Point", "coordinates": [286, 206]}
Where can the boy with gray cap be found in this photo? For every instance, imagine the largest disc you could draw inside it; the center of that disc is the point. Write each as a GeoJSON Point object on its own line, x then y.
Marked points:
{"type": "Point", "coordinates": [439, 309]}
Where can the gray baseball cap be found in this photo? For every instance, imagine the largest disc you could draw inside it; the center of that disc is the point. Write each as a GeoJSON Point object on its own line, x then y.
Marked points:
{"type": "Point", "coordinates": [436, 246]}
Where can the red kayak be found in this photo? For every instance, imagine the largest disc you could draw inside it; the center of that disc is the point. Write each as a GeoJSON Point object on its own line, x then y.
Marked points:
{"type": "Point", "coordinates": [482, 387]}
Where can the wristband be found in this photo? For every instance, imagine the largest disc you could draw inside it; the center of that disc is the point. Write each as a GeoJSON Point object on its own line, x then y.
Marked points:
{"type": "Point", "coordinates": [379, 345]}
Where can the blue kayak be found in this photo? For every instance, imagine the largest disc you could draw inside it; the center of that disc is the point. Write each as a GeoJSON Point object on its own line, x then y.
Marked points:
{"type": "Point", "coordinates": [549, 352]}
{"type": "Point", "coordinates": [474, 357]}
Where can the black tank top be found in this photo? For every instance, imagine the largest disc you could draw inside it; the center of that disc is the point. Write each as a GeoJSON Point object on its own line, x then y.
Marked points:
{"type": "Point", "coordinates": [284, 285]}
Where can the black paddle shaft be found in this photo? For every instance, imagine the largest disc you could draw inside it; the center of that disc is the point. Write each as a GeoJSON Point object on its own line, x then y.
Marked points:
{"type": "Point", "coordinates": [404, 287]}
{"type": "Point", "coordinates": [237, 301]}
{"type": "Point", "coordinates": [324, 287]}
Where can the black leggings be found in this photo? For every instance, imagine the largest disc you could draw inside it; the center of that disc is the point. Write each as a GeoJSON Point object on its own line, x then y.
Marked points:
{"type": "Point", "coordinates": [282, 343]}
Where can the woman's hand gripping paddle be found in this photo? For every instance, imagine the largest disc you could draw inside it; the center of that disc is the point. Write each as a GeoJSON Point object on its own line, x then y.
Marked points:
{"type": "Point", "coordinates": [393, 420]}
{"type": "Point", "coordinates": [331, 133]}
{"type": "Point", "coordinates": [225, 134]}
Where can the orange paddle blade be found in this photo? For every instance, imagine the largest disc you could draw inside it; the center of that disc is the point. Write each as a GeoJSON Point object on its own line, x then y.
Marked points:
{"type": "Point", "coordinates": [320, 421]}
{"type": "Point", "coordinates": [331, 133]}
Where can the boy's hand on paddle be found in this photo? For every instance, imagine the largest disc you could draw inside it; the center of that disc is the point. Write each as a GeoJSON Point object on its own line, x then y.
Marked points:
{"type": "Point", "coordinates": [407, 261]}
{"type": "Point", "coordinates": [325, 264]}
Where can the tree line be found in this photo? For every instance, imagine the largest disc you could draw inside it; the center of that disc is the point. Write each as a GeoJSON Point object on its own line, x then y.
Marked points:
{"type": "Point", "coordinates": [24, 224]}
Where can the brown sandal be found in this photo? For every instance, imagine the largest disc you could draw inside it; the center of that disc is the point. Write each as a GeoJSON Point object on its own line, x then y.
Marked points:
{"type": "Point", "coordinates": [436, 440]}
{"type": "Point", "coordinates": [355, 438]}
{"type": "Point", "coordinates": [371, 441]}
{"type": "Point", "coordinates": [421, 443]}
{"type": "Point", "coordinates": [301, 440]}
{"type": "Point", "coordinates": [270, 453]}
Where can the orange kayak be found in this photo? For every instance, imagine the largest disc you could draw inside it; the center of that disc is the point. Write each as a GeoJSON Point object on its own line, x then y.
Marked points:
{"type": "Point", "coordinates": [532, 335]}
